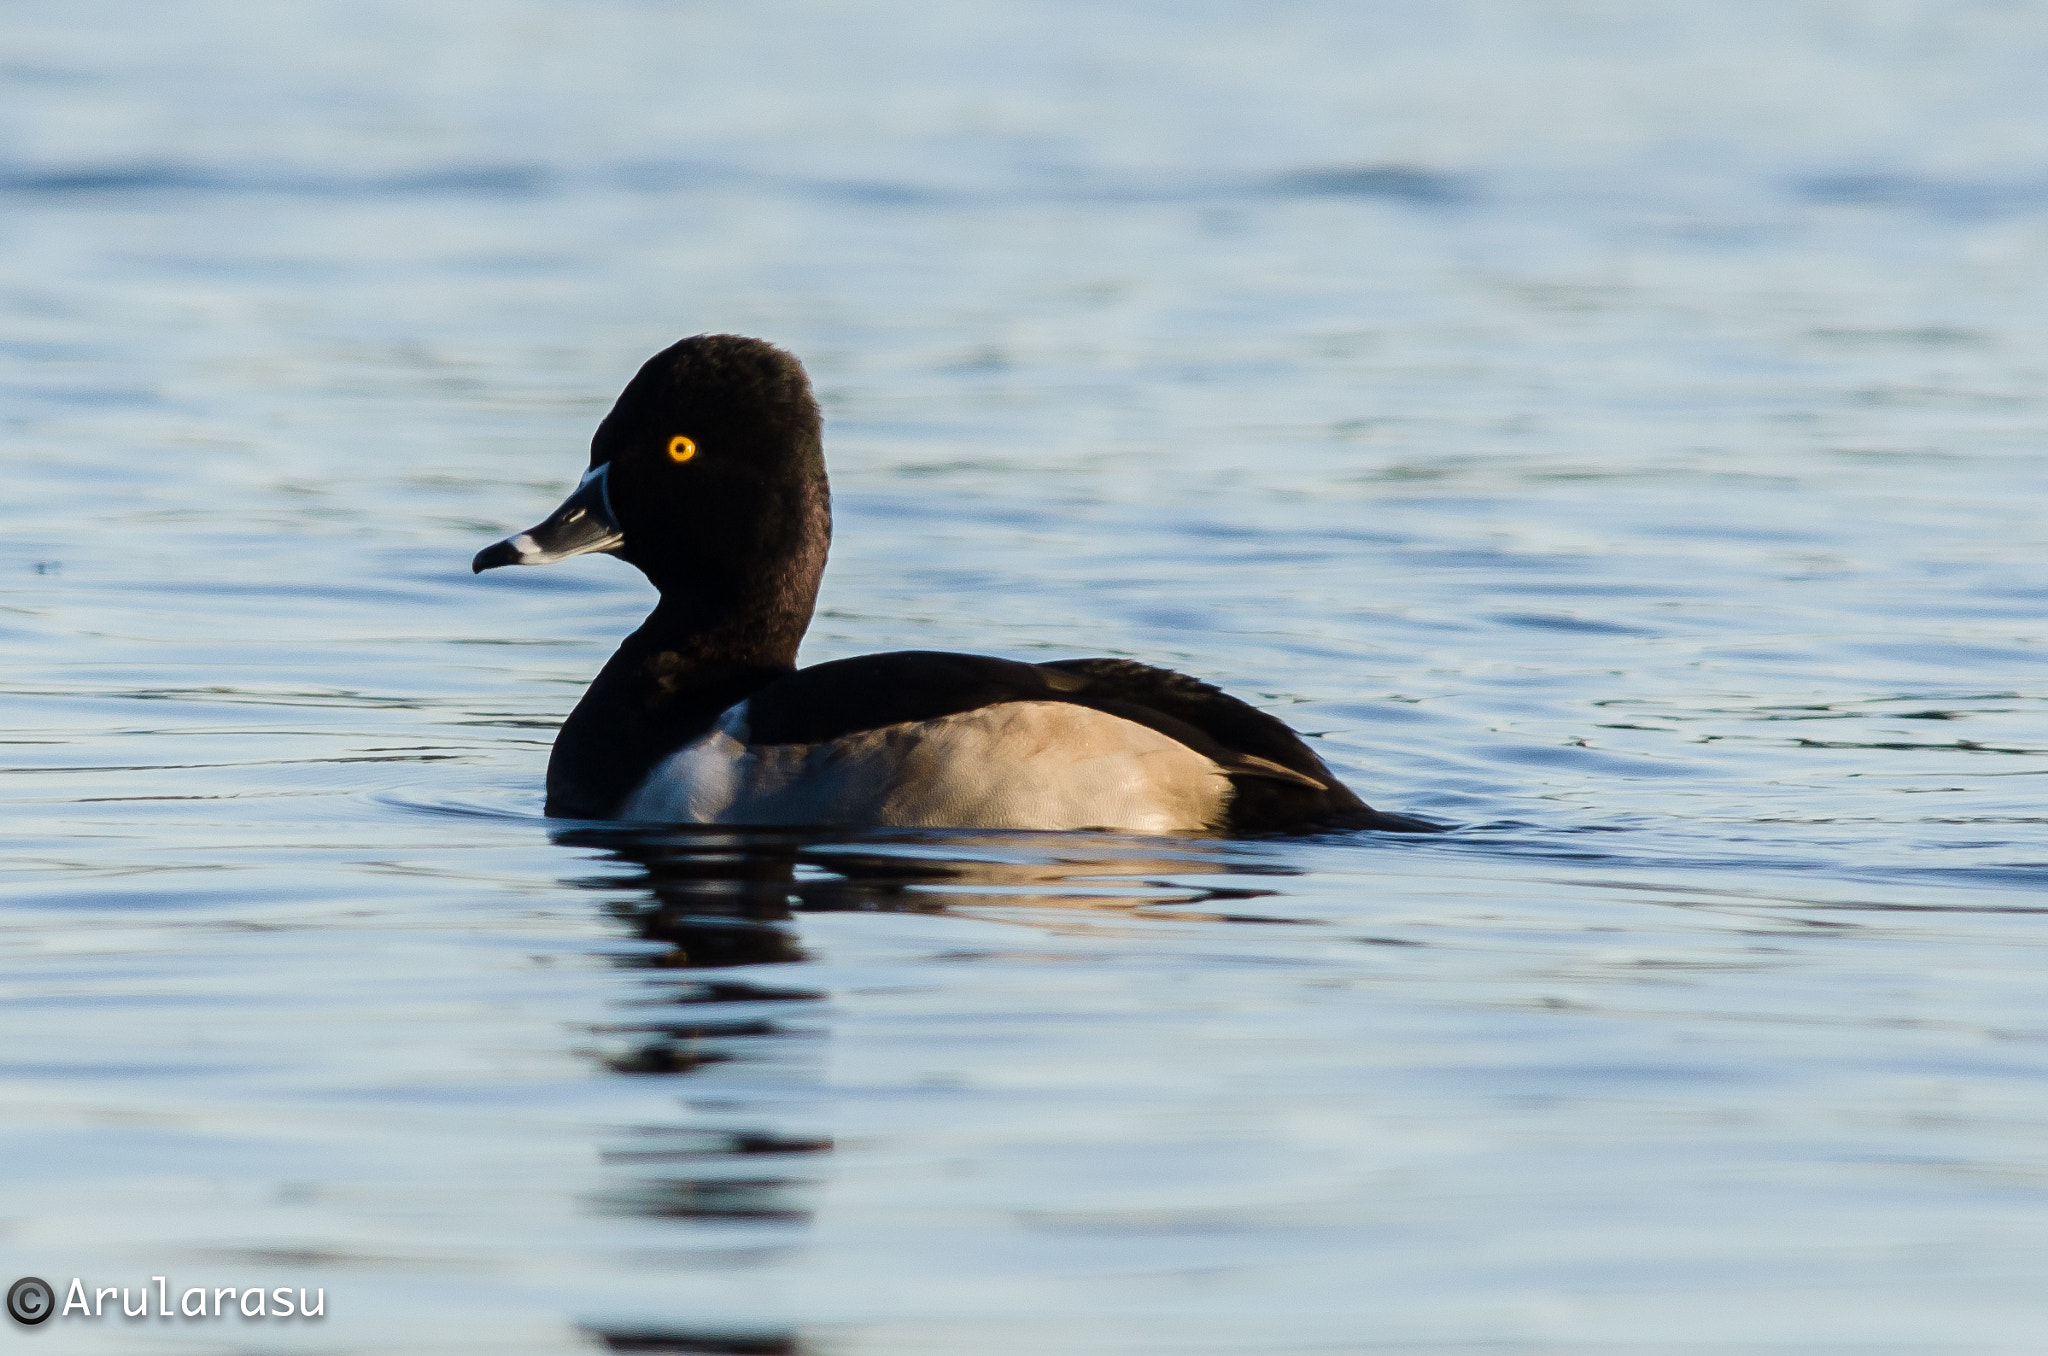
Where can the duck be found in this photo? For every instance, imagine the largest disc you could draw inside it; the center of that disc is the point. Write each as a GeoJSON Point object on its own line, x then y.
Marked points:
{"type": "Point", "coordinates": [708, 476]}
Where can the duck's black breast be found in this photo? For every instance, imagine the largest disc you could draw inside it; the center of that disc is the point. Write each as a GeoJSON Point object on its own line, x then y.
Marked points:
{"type": "Point", "coordinates": [1278, 782]}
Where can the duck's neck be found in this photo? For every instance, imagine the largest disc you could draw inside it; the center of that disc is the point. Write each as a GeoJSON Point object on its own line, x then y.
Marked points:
{"type": "Point", "coordinates": [690, 660]}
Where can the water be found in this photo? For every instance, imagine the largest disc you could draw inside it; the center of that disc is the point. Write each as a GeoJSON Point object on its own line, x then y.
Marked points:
{"type": "Point", "coordinates": [1613, 427]}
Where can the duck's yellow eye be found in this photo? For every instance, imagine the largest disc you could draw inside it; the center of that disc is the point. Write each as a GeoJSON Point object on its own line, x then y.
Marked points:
{"type": "Point", "coordinates": [681, 448]}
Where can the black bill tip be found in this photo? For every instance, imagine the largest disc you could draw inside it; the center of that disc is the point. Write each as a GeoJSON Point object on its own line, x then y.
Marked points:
{"type": "Point", "coordinates": [496, 554]}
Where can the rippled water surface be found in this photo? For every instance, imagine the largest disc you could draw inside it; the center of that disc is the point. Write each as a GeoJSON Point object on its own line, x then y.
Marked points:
{"type": "Point", "coordinates": [1614, 427]}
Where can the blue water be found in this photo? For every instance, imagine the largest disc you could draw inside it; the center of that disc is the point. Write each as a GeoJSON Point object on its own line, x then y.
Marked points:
{"type": "Point", "coordinates": [1613, 427]}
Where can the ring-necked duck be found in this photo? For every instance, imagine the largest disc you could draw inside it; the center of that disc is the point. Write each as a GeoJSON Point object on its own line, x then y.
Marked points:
{"type": "Point", "coordinates": [709, 476]}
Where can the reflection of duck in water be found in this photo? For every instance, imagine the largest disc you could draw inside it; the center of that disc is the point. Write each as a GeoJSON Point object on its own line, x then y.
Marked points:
{"type": "Point", "coordinates": [719, 898]}
{"type": "Point", "coordinates": [709, 476]}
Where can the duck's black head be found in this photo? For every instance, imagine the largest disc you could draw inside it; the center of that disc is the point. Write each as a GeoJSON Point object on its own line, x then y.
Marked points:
{"type": "Point", "coordinates": [709, 475]}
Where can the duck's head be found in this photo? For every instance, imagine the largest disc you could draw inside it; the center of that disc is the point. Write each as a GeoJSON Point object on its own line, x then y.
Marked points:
{"type": "Point", "coordinates": [708, 475]}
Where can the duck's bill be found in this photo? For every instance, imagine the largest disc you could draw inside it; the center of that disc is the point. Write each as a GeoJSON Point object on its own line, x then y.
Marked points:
{"type": "Point", "coordinates": [584, 523]}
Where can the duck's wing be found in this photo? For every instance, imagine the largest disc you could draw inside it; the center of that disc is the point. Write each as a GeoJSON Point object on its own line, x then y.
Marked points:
{"type": "Point", "coordinates": [870, 692]}
{"type": "Point", "coordinates": [1207, 708]}
{"type": "Point", "coordinates": [1317, 799]}
{"type": "Point", "coordinates": [1280, 783]}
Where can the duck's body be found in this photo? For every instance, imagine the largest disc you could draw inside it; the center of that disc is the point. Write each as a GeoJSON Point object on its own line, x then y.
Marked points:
{"type": "Point", "coordinates": [709, 476]}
